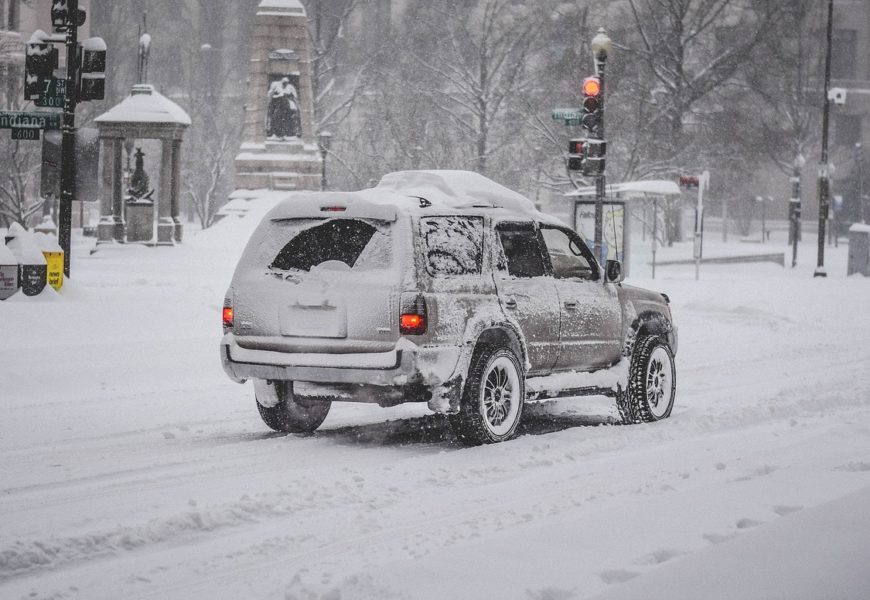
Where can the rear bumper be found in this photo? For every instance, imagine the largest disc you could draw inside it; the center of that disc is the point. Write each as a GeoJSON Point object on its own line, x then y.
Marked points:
{"type": "Point", "coordinates": [407, 364]}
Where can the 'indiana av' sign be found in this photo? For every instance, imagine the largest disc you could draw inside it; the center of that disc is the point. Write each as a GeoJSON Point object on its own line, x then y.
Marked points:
{"type": "Point", "coordinates": [38, 120]}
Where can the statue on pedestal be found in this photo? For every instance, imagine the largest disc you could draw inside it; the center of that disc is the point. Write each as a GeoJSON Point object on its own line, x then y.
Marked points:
{"type": "Point", "coordinates": [138, 189]}
{"type": "Point", "coordinates": [282, 117]}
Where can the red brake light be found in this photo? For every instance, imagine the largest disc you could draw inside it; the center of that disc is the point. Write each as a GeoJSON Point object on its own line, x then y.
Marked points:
{"type": "Point", "coordinates": [333, 208]}
{"type": "Point", "coordinates": [228, 316]}
{"type": "Point", "coordinates": [413, 324]}
{"type": "Point", "coordinates": [413, 320]}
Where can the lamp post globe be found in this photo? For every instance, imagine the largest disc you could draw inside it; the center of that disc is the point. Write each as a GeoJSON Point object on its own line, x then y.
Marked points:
{"type": "Point", "coordinates": [601, 44]}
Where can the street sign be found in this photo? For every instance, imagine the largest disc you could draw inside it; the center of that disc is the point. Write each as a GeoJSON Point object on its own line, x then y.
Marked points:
{"type": "Point", "coordinates": [51, 93]}
{"type": "Point", "coordinates": [10, 119]}
{"type": "Point", "coordinates": [568, 114]}
{"type": "Point", "coordinates": [25, 133]}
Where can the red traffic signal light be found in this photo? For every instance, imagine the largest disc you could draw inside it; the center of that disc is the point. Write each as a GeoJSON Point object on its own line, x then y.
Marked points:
{"type": "Point", "coordinates": [688, 182]}
{"type": "Point", "coordinates": [592, 105]}
{"type": "Point", "coordinates": [591, 87]}
{"type": "Point", "coordinates": [576, 146]}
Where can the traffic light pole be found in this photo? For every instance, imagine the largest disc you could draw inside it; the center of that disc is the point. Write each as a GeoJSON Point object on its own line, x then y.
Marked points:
{"type": "Point", "coordinates": [68, 128]}
{"type": "Point", "coordinates": [824, 175]}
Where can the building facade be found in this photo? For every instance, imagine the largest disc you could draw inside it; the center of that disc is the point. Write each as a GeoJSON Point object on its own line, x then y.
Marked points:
{"type": "Point", "coordinates": [850, 132]}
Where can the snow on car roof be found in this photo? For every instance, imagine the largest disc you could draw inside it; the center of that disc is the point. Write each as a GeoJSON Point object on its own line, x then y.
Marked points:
{"type": "Point", "coordinates": [402, 191]}
{"type": "Point", "coordinates": [455, 189]}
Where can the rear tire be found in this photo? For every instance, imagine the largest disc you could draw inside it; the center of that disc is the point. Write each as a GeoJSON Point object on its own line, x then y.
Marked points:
{"type": "Point", "coordinates": [492, 399]}
{"type": "Point", "coordinates": [288, 414]}
{"type": "Point", "coordinates": [652, 383]}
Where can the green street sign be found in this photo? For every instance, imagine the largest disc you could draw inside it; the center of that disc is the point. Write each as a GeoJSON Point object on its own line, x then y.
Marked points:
{"type": "Point", "coordinates": [13, 119]}
{"type": "Point", "coordinates": [51, 93]}
{"type": "Point", "coordinates": [25, 133]}
{"type": "Point", "coordinates": [568, 114]}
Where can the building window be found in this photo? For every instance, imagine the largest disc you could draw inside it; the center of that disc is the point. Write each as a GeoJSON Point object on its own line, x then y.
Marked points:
{"type": "Point", "coordinates": [13, 14]}
{"type": "Point", "coordinates": [848, 131]}
{"type": "Point", "coordinates": [844, 53]}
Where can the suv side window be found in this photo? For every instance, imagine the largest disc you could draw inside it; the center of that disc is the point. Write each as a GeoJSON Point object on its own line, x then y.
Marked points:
{"type": "Point", "coordinates": [570, 257]}
{"type": "Point", "coordinates": [453, 245]}
{"type": "Point", "coordinates": [522, 249]}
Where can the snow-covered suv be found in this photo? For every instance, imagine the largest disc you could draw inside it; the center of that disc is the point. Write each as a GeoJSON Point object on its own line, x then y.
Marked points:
{"type": "Point", "coordinates": [441, 287]}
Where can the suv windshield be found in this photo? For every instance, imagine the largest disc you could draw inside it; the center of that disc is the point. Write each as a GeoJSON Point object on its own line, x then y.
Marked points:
{"type": "Point", "coordinates": [353, 242]}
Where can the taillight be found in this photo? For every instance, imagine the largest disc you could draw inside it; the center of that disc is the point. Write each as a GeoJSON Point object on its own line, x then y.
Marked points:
{"type": "Point", "coordinates": [413, 319]}
{"type": "Point", "coordinates": [228, 317]}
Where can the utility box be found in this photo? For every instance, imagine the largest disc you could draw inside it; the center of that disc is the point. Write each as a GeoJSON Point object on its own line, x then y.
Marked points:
{"type": "Point", "coordinates": [32, 270]}
{"type": "Point", "coordinates": [8, 273]}
{"type": "Point", "coordinates": [53, 254]}
{"type": "Point", "coordinates": [859, 249]}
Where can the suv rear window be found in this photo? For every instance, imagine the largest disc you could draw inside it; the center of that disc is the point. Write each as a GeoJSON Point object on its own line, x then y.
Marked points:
{"type": "Point", "coordinates": [453, 245]}
{"type": "Point", "coordinates": [356, 243]}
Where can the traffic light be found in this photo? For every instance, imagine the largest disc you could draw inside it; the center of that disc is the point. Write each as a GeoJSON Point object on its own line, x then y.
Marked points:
{"type": "Point", "coordinates": [92, 85]}
{"type": "Point", "coordinates": [591, 118]}
{"type": "Point", "coordinates": [39, 65]}
{"type": "Point", "coordinates": [595, 153]}
{"type": "Point", "coordinates": [576, 155]}
{"type": "Point", "coordinates": [60, 16]}
{"type": "Point", "coordinates": [688, 182]}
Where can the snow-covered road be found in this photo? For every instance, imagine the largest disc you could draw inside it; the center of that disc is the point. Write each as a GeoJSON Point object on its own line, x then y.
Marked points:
{"type": "Point", "coordinates": [130, 467]}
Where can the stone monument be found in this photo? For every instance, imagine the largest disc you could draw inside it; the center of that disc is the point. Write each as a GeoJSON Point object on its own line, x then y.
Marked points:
{"type": "Point", "coordinates": [279, 148]}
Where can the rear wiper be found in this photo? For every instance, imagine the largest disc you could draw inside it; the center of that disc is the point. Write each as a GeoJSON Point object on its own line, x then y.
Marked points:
{"type": "Point", "coordinates": [283, 274]}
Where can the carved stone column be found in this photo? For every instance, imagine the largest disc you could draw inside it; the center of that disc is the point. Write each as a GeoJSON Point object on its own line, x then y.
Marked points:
{"type": "Point", "coordinates": [176, 190]}
{"type": "Point", "coordinates": [119, 230]}
{"type": "Point", "coordinates": [106, 226]}
{"type": "Point", "coordinates": [165, 225]}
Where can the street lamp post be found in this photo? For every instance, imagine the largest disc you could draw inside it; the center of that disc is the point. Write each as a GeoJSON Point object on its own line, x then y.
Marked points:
{"type": "Point", "coordinates": [795, 207]}
{"type": "Point", "coordinates": [762, 200]}
{"type": "Point", "coordinates": [824, 175]}
{"type": "Point", "coordinates": [601, 46]}
{"type": "Point", "coordinates": [859, 166]}
{"type": "Point", "coordinates": [324, 140]}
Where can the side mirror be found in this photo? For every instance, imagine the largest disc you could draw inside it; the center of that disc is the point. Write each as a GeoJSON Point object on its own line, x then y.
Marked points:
{"type": "Point", "coordinates": [613, 272]}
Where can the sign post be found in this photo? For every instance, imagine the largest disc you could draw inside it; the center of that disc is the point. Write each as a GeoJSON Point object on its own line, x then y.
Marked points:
{"type": "Point", "coordinates": [68, 143]}
{"type": "Point", "coordinates": [703, 182]}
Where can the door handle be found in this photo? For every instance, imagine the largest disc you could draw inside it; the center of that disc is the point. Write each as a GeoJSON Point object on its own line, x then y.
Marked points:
{"type": "Point", "coordinates": [510, 303]}
{"type": "Point", "coordinates": [571, 305]}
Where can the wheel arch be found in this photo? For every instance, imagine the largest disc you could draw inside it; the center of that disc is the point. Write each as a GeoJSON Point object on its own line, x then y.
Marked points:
{"type": "Point", "coordinates": [649, 323]}
{"type": "Point", "coordinates": [503, 335]}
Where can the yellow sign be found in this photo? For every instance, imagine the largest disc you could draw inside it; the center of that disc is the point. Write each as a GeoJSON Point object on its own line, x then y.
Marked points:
{"type": "Point", "coordinates": [54, 260]}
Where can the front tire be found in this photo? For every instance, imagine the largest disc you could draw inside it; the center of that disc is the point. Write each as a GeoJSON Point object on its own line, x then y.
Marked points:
{"type": "Point", "coordinates": [282, 411]}
{"type": "Point", "coordinates": [492, 399]}
{"type": "Point", "coordinates": [652, 383]}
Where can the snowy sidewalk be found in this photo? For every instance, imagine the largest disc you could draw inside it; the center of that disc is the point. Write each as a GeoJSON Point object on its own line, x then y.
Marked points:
{"type": "Point", "coordinates": [817, 553]}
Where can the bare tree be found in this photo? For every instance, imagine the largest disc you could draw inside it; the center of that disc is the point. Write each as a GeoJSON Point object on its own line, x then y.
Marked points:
{"type": "Point", "coordinates": [335, 86]}
{"type": "Point", "coordinates": [786, 79]}
{"type": "Point", "coordinates": [481, 67]}
{"type": "Point", "coordinates": [18, 201]}
{"type": "Point", "coordinates": [204, 188]}
{"type": "Point", "coordinates": [693, 52]}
